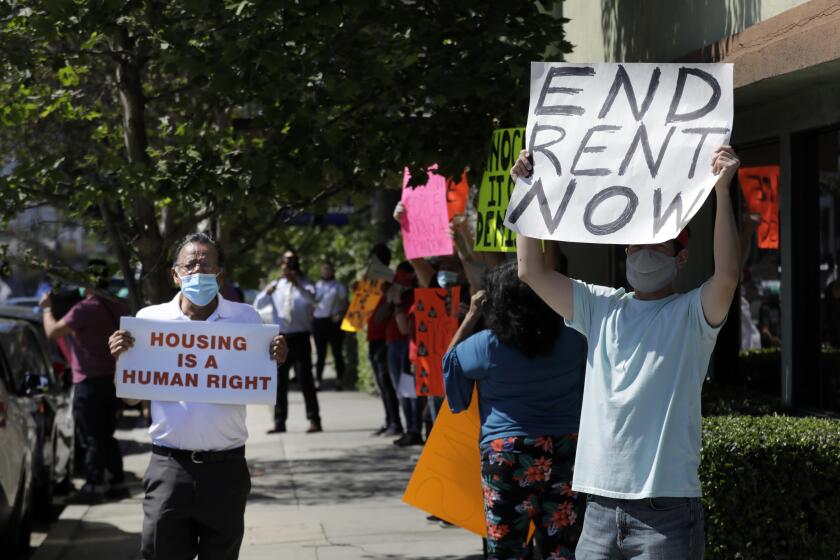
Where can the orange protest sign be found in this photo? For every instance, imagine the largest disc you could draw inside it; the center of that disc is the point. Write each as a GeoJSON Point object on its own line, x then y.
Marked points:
{"type": "Point", "coordinates": [456, 195]}
{"type": "Point", "coordinates": [366, 297]}
{"type": "Point", "coordinates": [447, 479]}
{"type": "Point", "coordinates": [760, 187]}
{"type": "Point", "coordinates": [435, 323]}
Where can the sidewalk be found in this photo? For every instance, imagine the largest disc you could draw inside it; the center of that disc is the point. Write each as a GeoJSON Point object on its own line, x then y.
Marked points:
{"type": "Point", "coordinates": [329, 496]}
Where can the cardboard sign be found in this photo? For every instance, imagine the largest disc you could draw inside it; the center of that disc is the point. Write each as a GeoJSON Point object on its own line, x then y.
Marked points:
{"type": "Point", "coordinates": [425, 223]}
{"type": "Point", "coordinates": [456, 195]}
{"type": "Point", "coordinates": [365, 298]}
{"type": "Point", "coordinates": [760, 187]}
{"type": "Point", "coordinates": [447, 479]}
{"type": "Point", "coordinates": [622, 152]}
{"type": "Point", "coordinates": [435, 323]}
{"type": "Point", "coordinates": [496, 188]}
{"type": "Point", "coordinates": [198, 361]}
{"type": "Point", "coordinates": [376, 270]}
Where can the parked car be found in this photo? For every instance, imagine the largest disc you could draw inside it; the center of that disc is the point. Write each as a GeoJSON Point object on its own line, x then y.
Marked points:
{"type": "Point", "coordinates": [35, 373]}
{"type": "Point", "coordinates": [18, 446]}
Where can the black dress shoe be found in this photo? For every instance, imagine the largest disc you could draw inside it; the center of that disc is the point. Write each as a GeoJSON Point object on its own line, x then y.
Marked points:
{"type": "Point", "coordinates": [380, 431]}
{"type": "Point", "coordinates": [314, 427]}
{"type": "Point", "coordinates": [278, 429]}
{"type": "Point", "coordinates": [393, 431]}
{"type": "Point", "coordinates": [409, 438]}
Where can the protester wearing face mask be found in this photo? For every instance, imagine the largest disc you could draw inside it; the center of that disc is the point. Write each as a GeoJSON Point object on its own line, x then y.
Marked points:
{"type": "Point", "coordinates": [88, 324]}
{"type": "Point", "coordinates": [649, 349]}
{"type": "Point", "coordinates": [292, 301]}
{"type": "Point", "coordinates": [197, 482]}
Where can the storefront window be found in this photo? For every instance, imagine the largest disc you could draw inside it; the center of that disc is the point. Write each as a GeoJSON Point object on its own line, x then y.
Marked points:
{"type": "Point", "coordinates": [761, 316]}
{"type": "Point", "coordinates": [829, 181]}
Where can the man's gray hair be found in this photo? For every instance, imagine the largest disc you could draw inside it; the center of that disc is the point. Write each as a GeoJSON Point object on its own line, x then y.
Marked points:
{"type": "Point", "coordinates": [203, 239]}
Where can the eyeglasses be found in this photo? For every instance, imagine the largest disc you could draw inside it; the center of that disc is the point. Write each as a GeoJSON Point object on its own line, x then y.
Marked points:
{"type": "Point", "coordinates": [191, 267]}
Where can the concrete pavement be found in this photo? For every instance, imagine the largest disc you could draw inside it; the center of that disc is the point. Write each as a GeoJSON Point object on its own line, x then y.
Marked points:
{"type": "Point", "coordinates": [329, 496]}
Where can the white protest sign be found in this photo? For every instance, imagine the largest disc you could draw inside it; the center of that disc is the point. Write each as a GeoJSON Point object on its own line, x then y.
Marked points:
{"type": "Point", "coordinates": [622, 152]}
{"type": "Point", "coordinates": [198, 361]}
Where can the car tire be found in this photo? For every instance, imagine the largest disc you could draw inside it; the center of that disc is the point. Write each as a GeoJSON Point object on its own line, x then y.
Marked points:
{"type": "Point", "coordinates": [15, 541]}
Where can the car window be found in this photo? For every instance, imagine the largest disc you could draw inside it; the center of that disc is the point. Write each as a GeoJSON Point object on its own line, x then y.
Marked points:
{"type": "Point", "coordinates": [23, 355]}
{"type": "Point", "coordinates": [36, 357]}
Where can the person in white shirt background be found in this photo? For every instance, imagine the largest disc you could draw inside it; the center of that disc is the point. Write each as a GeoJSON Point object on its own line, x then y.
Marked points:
{"type": "Point", "coordinates": [292, 302]}
{"type": "Point", "coordinates": [197, 481]}
{"type": "Point", "coordinates": [331, 298]}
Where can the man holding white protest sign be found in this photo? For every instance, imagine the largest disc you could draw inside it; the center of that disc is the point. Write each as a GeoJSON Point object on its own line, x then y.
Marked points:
{"type": "Point", "coordinates": [197, 482]}
{"type": "Point", "coordinates": [639, 440]}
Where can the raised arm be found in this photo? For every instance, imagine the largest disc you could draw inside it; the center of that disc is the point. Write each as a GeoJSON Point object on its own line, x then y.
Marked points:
{"type": "Point", "coordinates": [461, 234]}
{"type": "Point", "coordinates": [55, 329]}
{"type": "Point", "coordinates": [716, 294]}
{"type": "Point", "coordinates": [553, 287]}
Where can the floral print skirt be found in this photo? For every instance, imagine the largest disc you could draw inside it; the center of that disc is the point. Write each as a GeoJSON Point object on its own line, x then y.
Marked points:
{"type": "Point", "coordinates": [525, 480]}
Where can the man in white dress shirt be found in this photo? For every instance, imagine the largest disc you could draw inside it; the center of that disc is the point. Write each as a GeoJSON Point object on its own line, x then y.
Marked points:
{"type": "Point", "coordinates": [197, 482]}
{"type": "Point", "coordinates": [292, 302]}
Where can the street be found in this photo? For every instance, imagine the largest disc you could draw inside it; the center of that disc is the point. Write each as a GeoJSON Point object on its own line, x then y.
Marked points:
{"type": "Point", "coordinates": [333, 495]}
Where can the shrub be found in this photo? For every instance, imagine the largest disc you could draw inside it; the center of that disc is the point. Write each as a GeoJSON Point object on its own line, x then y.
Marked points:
{"type": "Point", "coordinates": [770, 487]}
{"type": "Point", "coordinates": [365, 381]}
{"type": "Point", "coordinates": [729, 400]}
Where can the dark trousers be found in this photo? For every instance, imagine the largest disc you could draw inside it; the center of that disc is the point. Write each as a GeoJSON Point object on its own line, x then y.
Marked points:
{"type": "Point", "coordinates": [398, 364]}
{"type": "Point", "coordinates": [327, 332]}
{"type": "Point", "coordinates": [95, 407]}
{"type": "Point", "coordinates": [378, 356]}
{"type": "Point", "coordinates": [300, 357]}
{"type": "Point", "coordinates": [194, 509]}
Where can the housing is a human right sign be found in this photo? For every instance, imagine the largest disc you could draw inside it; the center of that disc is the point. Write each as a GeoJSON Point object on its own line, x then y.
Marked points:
{"type": "Point", "coordinates": [622, 152]}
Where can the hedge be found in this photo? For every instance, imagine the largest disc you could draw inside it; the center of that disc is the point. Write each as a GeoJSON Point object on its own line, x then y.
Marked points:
{"type": "Point", "coordinates": [771, 487]}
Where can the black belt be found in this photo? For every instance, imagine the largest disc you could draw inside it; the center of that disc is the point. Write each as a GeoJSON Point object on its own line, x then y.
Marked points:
{"type": "Point", "coordinates": [200, 456]}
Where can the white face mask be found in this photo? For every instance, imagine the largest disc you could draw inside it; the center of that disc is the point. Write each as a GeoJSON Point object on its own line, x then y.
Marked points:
{"type": "Point", "coordinates": [650, 271]}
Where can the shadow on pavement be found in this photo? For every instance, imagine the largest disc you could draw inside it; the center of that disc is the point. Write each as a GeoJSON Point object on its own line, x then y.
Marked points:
{"type": "Point", "coordinates": [404, 557]}
{"type": "Point", "coordinates": [97, 540]}
{"type": "Point", "coordinates": [370, 472]}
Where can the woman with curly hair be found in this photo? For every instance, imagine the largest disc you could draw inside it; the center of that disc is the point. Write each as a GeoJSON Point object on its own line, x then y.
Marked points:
{"type": "Point", "coordinates": [529, 369]}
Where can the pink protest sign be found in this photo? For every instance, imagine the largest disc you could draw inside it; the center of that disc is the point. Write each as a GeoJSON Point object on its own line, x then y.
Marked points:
{"type": "Point", "coordinates": [425, 223]}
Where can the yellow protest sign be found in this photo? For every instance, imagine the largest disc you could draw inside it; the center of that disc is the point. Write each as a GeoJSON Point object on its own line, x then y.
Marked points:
{"type": "Point", "coordinates": [447, 479]}
{"type": "Point", "coordinates": [496, 188]}
{"type": "Point", "coordinates": [366, 297]}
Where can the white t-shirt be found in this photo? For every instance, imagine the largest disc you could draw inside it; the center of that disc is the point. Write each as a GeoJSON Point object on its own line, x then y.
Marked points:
{"type": "Point", "coordinates": [640, 421]}
{"type": "Point", "coordinates": [199, 426]}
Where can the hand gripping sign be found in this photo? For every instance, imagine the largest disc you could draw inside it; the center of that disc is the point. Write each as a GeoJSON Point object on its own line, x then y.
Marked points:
{"type": "Point", "coordinates": [622, 152]}
{"type": "Point", "coordinates": [198, 361]}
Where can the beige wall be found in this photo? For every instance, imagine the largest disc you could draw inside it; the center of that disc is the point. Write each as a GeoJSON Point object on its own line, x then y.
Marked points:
{"type": "Point", "coordinates": [658, 30]}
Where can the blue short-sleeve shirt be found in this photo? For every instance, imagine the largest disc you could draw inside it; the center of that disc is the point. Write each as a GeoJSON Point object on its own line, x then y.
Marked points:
{"type": "Point", "coordinates": [518, 396]}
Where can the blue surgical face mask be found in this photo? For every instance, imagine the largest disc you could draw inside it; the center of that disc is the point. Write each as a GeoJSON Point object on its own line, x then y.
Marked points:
{"type": "Point", "coordinates": [199, 288]}
{"type": "Point", "coordinates": [447, 278]}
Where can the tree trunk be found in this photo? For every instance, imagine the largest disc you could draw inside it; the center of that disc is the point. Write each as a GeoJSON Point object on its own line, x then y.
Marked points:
{"type": "Point", "coordinates": [122, 253]}
{"type": "Point", "coordinates": [149, 239]}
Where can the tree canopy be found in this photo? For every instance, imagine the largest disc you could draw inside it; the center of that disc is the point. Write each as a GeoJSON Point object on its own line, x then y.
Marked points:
{"type": "Point", "coordinates": [147, 119]}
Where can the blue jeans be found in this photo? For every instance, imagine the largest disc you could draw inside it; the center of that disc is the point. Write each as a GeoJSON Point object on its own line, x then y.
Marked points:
{"type": "Point", "coordinates": [646, 529]}
{"type": "Point", "coordinates": [398, 363]}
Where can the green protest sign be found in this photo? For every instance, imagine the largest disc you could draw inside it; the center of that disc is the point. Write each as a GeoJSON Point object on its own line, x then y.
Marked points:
{"type": "Point", "coordinates": [496, 186]}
